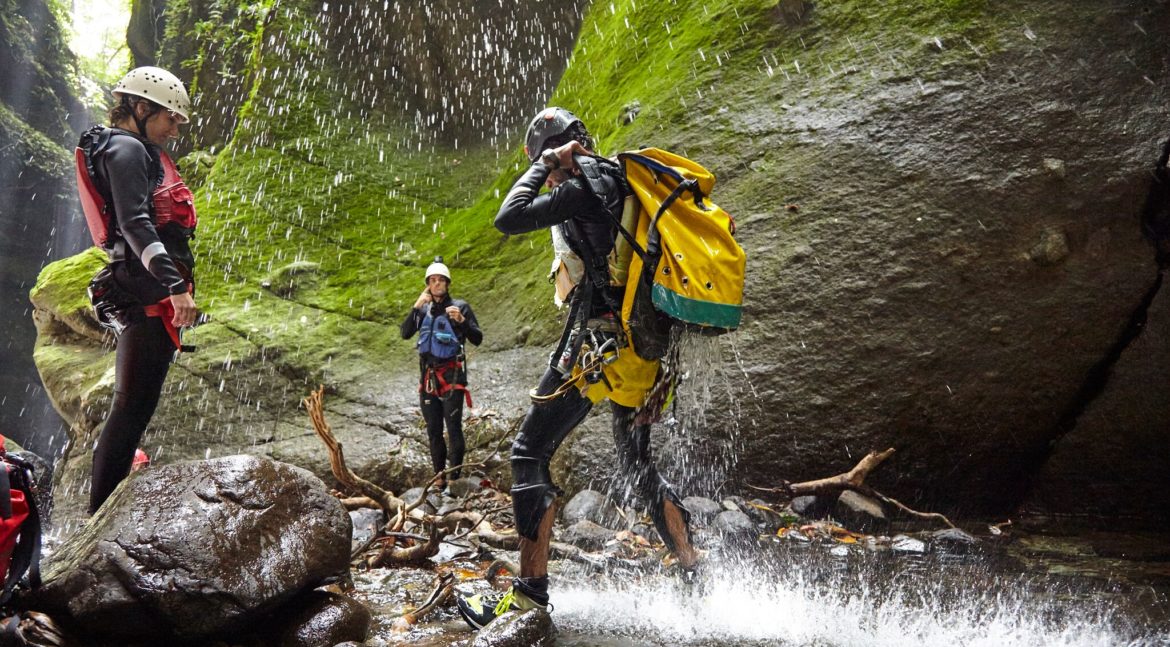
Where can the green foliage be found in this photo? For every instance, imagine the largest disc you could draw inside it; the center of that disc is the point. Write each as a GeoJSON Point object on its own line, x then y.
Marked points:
{"type": "Point", "coordinates": [39, 155]}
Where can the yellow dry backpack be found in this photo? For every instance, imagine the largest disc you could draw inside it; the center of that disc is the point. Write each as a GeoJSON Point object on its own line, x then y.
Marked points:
{"type": "Point", "coordinates": [676, 251]}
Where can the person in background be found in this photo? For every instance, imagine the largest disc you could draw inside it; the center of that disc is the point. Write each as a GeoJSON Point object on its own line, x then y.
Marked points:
{"type": "Point", "coordinates": [443, 325]}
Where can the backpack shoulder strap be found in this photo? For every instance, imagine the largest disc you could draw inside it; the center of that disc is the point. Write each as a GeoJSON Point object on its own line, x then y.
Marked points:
{"type": "Point", "coordinates": [93, 144]}
{"type": "Point", "coordinates": [593, 169]}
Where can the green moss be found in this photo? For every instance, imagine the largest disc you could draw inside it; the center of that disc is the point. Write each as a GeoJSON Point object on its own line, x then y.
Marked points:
{"type": "Point", "coordinates": [31, 149]}
{"type": "Point", "coordinates": [60, 287]}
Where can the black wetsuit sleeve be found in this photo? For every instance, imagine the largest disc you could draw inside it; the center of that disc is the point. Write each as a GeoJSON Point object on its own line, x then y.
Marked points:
{"type": "Point", "coordinates": [469, 327]}
{"type": "Point", "coordinates": [525, 209]}
{"type": "Point", "coordinates": [128, 172]}
{"type": "Point", "coordinates": [411, 323]}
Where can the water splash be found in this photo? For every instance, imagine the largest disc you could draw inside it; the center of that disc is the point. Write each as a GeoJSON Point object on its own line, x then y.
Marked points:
{"type": "Point", "coordinates": [837, 602]}
{"type": "Point", "coordinates": [700, 449]}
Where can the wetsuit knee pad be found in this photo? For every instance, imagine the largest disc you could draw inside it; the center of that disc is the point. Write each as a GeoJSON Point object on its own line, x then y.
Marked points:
{"type": "Point", "coordinates": [529, 505]}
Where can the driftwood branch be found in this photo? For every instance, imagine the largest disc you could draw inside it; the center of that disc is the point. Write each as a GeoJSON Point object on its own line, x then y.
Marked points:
{"type": "Point", "coordinates": [850, 480]}
{"type": "Point", "coordinates": [438, 597]}
{"type": "Point", "coordinates": [854, 480]}
{"type": "Point", "coordinates": [354, 483]}
{"type": "Point", "coordinates": [391, 555]}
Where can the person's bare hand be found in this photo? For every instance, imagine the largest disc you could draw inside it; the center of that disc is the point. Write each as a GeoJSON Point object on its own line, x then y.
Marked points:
{"type": "Point", "coordinates": [566, 152]}
{"type": "Point", "coordinates": [423, 299]}
{"type": "Point", "coordinates": [454, 314]}
{"type": "Point", "coordinates": [185, 310]}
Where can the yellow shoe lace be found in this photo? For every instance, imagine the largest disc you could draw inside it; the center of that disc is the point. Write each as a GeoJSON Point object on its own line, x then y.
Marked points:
{"type": "Point", "coordinates": [505, 603]}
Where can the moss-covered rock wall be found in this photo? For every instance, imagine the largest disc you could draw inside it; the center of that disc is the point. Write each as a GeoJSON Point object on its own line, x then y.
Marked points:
{"type": "Point", "coordinates": [39, 115]}
{"type": "Point", "coordinates": [938, 199]}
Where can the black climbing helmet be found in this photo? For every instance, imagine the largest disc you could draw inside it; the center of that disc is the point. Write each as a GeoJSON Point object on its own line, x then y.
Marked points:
{"type": "Point", "coordinates": [554, 126]}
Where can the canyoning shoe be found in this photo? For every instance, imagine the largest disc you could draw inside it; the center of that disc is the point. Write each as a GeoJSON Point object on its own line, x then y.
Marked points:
{"type": "Point", "coordinates": [479, 610]}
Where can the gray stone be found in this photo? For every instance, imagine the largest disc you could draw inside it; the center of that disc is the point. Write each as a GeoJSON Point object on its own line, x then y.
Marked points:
{"type": "Point", "coordinates": [859, 513]}
{"type": "Point", "coordinates": [703, 510]}
{"type": "Point", "coordinates": [590, 505]}
{"type": "Point", "coordinates": [953, 540]}
{"type": "Point", "coordinates": [430, 506]}
{"type": "Point", "coordinates": [365, 523]}
{"type": "Point", "coordinates": [587, 535]}
{"type": "Point", "coordinates": [323, 619]}
{"type": "Point", "coordinates": [533, 628]}
{"type": "Point", "coordinates": [813, 507]}
{"type": "Point", "coordinates": [197, 548]}
{"type": "Point", "coordinates": [461, 487]}
{"type": "Point", "coordinates": [734, 522]}
{"type": "Point", "coordinates": [907, 544]}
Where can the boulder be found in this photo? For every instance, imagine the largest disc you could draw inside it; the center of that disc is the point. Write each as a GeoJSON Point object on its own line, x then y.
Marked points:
{"type": "Point", "coordinates": [533, 628]}
{"type": "Point", "coordinates": [733, 523]}
{"type": "Point", "coordinates": [813, 507]}
{"type": "Point", "coordinates": [195, 549]}
{"type": "Point", "coordinates": [590, 505]}
{"type": "Point", "coordinates": [953, 540]}
{"type": "Point", "coordinates": [588, 535]}
{"type": "Point", "coordinates": [858, 512]}
{"type": "Point", "coordinates": [703, 510]}
{"type": "Point", "coordinates": [462, 487]}
{"type": "Point", "coordinates": [323, 619]}
{"type": "Point", "coordinates": [907, 545]}
{"type": "Point", "coordinates": [365, 522]}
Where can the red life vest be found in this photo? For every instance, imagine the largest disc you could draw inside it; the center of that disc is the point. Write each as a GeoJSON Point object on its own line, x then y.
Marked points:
{"type": "Point", "coordinates": [172, 200]}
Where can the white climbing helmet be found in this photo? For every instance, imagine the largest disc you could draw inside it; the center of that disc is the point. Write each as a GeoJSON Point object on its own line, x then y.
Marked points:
{"type": "Point", "coordinates": [159, 86]}
{"type": "Point", "coordinates": [437, 268]}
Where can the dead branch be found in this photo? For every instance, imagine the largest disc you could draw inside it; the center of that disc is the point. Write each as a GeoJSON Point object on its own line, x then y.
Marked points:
{"type": "Point", "coordinates": [359, 503]}
{"type": "Point", "coordinates": [926, 516]}
{"type": "Point", "coordinates": [500, 540]}
{"type": "Point", "coordinates": [850, 480]}
{"type": "Point", "coordinates": [315, 407]}
{"type": "Point", "coordinates": [391, 555]}
{"type": "Point", "coordinates": [437, 598]}
{"type": "Point", "coordinates": [854, 480]}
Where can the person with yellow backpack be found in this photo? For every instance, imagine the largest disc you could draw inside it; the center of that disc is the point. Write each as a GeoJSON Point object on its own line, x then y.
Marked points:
{"type": "Point", "coordinates": [611, 347]}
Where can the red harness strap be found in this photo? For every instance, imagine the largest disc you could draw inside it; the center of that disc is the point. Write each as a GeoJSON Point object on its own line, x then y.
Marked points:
{"type": "Point", "coordinates": [165, 310]}
{"type": "Point", "coordinates": [441, 386]}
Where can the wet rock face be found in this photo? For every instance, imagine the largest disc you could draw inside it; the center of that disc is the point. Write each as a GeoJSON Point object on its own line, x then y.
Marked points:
{"type": "Point", "coordinates": [198, 548]}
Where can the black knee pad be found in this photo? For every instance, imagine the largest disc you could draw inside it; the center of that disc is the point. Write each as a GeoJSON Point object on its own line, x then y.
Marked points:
{"type": "Point", "coordinates": [529, 505]}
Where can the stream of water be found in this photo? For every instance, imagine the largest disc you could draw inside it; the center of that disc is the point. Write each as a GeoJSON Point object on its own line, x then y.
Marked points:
{"type": "Point", "coordinates": [782, 594]}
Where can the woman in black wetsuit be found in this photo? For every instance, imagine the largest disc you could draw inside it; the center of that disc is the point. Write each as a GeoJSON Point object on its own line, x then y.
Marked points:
{"type": "Point", "coordinates": [147, 295]}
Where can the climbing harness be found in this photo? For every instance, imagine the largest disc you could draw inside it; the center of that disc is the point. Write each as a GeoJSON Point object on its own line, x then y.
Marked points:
{"type": "Point", "coordinates": [436, 383]}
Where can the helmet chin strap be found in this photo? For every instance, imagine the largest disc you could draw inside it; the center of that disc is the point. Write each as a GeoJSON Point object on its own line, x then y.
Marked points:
{"type": "Point", "coordinates": [139, 123]}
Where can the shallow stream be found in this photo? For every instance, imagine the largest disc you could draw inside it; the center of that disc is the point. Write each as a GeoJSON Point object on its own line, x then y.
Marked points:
{"type": "Point", "coordinates": [1033, 591]}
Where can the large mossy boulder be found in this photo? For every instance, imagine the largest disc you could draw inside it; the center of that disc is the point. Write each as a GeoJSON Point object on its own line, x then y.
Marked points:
{"type": "Point", "coordinates": [197, 549]}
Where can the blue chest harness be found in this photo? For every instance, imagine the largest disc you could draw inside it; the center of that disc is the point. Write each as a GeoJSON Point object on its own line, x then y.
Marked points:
{"type": "Point", "coordinates": [436, 337]}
